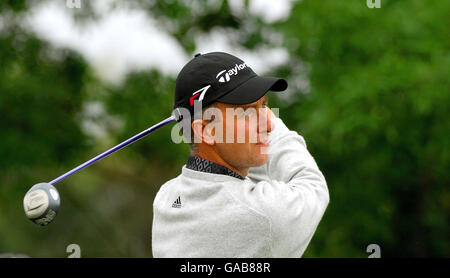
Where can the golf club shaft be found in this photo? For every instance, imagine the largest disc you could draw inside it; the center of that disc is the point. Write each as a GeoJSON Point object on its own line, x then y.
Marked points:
{"type": "Point", "coordinates": [115, 148]}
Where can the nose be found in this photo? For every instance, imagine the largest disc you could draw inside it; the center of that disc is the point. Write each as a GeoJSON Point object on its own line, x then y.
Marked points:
{"type": "Point", "coordinates": [265, 123]}
{"type": "Point", "coordinates": [269, 120]}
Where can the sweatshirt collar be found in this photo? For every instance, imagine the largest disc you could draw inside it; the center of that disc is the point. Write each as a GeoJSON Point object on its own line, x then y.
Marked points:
{"type": "Point", "coordinates": [199, 164]}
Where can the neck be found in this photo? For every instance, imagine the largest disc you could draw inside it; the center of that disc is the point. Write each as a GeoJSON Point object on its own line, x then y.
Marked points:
{"type": "Point", "coordinates": [211, 155]}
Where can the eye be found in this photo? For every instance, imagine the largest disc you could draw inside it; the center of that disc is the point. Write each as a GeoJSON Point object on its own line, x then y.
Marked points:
{"type": "Point", "coordinates": [250, 111]}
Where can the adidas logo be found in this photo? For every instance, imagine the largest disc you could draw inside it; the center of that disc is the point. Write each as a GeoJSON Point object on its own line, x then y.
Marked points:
{"type": "Point", "coordinates": [177, 203]}
{"type": "Point", "coordinates": [225, 75]}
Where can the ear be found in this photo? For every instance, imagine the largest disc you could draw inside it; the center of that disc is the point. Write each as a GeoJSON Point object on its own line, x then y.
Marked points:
{"type": "Point", "coordinates": [203, 132]}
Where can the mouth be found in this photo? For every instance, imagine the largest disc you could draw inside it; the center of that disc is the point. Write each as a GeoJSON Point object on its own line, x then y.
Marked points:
{"type": "Point", "coordinates": [263, 141]}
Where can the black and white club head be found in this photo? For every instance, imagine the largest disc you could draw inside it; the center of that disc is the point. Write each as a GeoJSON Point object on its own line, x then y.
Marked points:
{"type": "Point", "coordinates": [41, 203]}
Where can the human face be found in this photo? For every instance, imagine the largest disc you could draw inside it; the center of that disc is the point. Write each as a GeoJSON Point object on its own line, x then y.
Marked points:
{"type": "Point", "coordinates": [245, 134]}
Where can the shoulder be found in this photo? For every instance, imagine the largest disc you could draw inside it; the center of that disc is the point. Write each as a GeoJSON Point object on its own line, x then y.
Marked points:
{"type": "Point", "coordinates": [244, 211]}
{"type": "Point", "coordinates": [165, 188]}
{"type": "Point", "coordinates": [274, 200]}
{"type": "Point", "coordinates": [252, 195]}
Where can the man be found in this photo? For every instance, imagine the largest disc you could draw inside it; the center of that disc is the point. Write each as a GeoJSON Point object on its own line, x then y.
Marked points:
{"type": "Point", "coordinates": [237, 197]}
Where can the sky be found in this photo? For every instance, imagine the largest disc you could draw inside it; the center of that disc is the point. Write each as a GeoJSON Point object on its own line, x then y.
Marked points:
{"type": "Point", "coordinates": [127, 40]}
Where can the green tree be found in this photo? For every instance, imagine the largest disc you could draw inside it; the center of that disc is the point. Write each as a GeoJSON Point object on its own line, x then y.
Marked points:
{"type": "Point", "coordinates": [41, 97]}
{"type": "Point", "coordinates": [376, 118]}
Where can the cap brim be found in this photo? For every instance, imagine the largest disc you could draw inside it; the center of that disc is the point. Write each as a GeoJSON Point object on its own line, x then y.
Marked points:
{"type": "Point", "coordinates": [253, 89]}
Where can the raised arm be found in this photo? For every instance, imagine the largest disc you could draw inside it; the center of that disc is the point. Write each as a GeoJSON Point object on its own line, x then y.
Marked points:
{"type": "Point", "coordinates": [290, 190]}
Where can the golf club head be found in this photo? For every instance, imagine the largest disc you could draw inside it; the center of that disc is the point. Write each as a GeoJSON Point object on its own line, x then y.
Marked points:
{"type": "Point", "coordinates": [41, 203]}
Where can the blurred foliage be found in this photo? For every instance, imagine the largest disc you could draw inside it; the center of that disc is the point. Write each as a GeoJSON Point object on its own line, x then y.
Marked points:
{"type": "Point", "coordinates": [14, 5]}
{"type": "Point", "coordinates": [41, 93]}
{"type": "Point", "coordinates": [368, 89]}
{"type": "Point", "coordinates": [375, 121]}
{"type": "Point", "coordinates": [132, 102]}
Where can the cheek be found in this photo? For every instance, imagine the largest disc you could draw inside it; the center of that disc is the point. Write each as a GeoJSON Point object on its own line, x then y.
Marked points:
{"type": "Point", "coordinates": [261, 156]}
{"type": "Point", "coordinates": [240, 131]}
{"type": "Point", "coordinates": [249, 129]}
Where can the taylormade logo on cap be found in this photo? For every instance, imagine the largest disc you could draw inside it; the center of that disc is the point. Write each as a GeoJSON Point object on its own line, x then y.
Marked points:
{"type": "Point", "coordinates": [220, 77]}
{"type": "Point", "coordinates": [225, 75]}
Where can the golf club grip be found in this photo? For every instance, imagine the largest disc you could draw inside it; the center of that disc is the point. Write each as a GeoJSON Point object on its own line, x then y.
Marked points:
{"type": "Point", "coordinates": [115, 148]}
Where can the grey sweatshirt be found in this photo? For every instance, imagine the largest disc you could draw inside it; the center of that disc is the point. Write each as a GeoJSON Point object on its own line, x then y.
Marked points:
{"type": "Point", "coordinates": [273, 212]}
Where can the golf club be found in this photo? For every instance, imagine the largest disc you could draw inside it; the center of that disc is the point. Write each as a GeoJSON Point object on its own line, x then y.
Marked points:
{"type": "Point", "coordinates": [42, 201]}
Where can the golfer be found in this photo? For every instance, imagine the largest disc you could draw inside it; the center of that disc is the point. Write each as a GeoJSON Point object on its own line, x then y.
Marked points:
{"type": "Point", "coordinates": [236, 196]}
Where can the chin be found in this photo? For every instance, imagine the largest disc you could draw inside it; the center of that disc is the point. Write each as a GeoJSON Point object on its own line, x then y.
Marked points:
{"type": "Point", "coordinates": [261, 160]}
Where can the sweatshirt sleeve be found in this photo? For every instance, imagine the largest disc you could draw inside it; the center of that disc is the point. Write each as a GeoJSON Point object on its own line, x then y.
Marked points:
{"type": "Point", "coordinates": [290, 190]}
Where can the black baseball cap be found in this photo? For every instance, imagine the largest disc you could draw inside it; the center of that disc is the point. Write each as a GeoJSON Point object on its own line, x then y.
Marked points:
{"type": "Point", "coordinates": [221, 77]}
